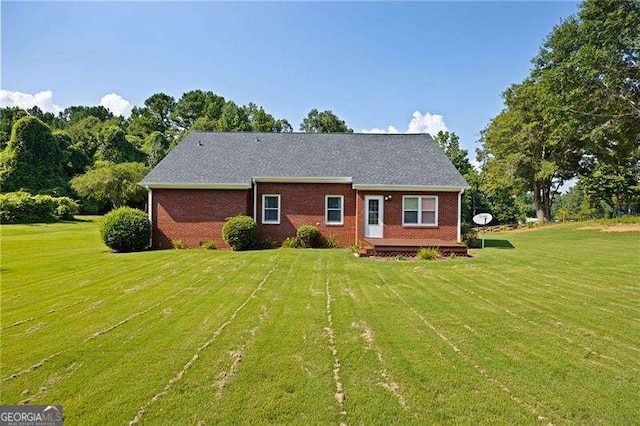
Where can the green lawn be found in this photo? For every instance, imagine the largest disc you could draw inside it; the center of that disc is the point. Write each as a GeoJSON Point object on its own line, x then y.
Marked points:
{"type": "Point", "coordinates": [539, 327]}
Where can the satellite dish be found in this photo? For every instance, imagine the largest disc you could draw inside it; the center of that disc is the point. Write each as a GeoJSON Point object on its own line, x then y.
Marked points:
{"type": "Point", "coordinates": [482, 218]}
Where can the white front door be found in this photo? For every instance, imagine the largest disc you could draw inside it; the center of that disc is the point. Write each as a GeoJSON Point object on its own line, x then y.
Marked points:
{"type": "Point", "coordinates": [374, 216]}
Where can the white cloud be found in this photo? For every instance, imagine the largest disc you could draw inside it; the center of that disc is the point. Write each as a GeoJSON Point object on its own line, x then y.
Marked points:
{"type": "Point", "coordinates": [476, 165]}
{"type": "Point", "coordinates": [390, 129]}
{"type": "Point", "coordinates": [44, 100]}
{"type": "Point", "coordinates": [420, 123]}
{"type": "Point", "coordinates": [426, 123]}
{"type": "Point", "coordinates": [116, 104]}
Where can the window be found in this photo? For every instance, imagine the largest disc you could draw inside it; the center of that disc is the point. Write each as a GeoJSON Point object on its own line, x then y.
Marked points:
{"type": "Point", "coordinates": [271, 209]}
{"type": "Point", "coordinates": [420, 211]}
{"type": "Point", "coordinates": [334, 209]}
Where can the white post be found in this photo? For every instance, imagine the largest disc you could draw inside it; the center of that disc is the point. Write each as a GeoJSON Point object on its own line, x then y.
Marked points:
{"type": "Point", "coordinates": [150, 207]}
{"type": "Point", "coordinates": [149, 204]}
{"type": "Point", "coordinates": [255, 200]}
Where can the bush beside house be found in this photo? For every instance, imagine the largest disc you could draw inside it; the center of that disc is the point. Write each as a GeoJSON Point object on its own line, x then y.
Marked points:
{"type": "Point", "coordinates": [240, 232]}
{"type": "Point", "coordinates": [126, 230]}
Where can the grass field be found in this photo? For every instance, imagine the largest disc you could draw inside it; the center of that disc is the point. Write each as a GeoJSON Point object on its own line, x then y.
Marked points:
{"type": "Point", "coordinates": [539, 327]}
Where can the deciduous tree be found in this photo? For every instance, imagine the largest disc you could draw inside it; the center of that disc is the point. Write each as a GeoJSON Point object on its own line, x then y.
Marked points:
{"type": "Point", "coordinates": [324, 122]}
{"type": "Point", "coordinates": [522, 144]}
{"type": "Point", "coordinates": [154, 116]}
{"type": "Point", "coordinates": [32, 159]}
{"type": "Point", "coordinates": [156, 146]}
{"type": "Point", "coordinates": [116, 184]}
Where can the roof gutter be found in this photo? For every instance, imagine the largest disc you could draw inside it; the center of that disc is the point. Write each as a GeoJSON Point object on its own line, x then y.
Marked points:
{"type": "Point", "coordinates": [431, 188]}
{"type": "Point", "coordinates": [158, 185]}
{"type": "Point", "coordinates": [302, 179]}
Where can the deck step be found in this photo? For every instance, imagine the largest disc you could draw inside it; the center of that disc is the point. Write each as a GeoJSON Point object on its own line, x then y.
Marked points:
{"type": "Point", "coordinates": [409, 248]}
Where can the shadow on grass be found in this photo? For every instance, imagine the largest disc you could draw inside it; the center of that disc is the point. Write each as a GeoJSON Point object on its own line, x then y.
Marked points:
{"type": "Point", "coordinates": [66, 222]}
{"type": "Point", "coordinates": [499, 244]}
{"type": "Point", "coordinates": [80, 220]}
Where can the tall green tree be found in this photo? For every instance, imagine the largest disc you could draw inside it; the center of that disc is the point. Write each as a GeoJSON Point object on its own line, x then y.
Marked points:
{"type": "Point", "coordinates": [156, 146]}
{"type": "Point", "coordinates": [32, 159]}
{"type": "Point", "coordinates": [450, 144]}
{"type": "Point", "coordinates": [615, 187]}
{"type": "Point", "coordinates": [324, 122]}
{"type": "Point", "coordinates": [571, 204]}
{"type": "Point", "coordinates": [591, 65]}
{"type": "Point", "coordinates": [523, 145]}
{"type": "Point", "coordinates": [261, 121]}
{"type": "Point", "coordinates": [233, 119]}
{"type": "Point", "coordinates": [47, 118]}
{"type": "Point", "coordinates": [154, 116]}
{"type": "Point", "coordinates": [197, 104]}
{"type": "Point", "coordinates": [73, 114]}
{"type": "Point", "coordinates": [114, 147]}
{"type": "Point", "coordinates": [204, 124]}
{"type": "Point", "coordinates": [86, 134]}
{"type": "Point", "coordinates": [74, 159]}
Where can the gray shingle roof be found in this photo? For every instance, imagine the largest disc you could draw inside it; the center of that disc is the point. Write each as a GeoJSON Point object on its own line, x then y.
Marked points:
{"type": "Point", "coordinates": [204, 158]}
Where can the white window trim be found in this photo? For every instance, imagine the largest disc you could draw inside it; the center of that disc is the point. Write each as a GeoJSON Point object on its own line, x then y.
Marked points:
{"type": "Point", "coordinates": [420, 224]}
{"type": "Point", "coordinates": [326, 209]}
{"type": "Point", "coordinates": [270, 222]}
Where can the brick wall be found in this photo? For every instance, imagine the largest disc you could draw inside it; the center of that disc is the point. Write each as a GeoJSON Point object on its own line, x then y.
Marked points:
{"type": "Point", "coordinates": [304, 204]}
{"type": "Point", "coordinates": [195, 215]}
{"type": "Point", "coordinates": [447, 228]}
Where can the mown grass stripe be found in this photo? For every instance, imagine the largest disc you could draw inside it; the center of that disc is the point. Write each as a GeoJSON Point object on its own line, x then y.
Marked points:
{"type": "Point", "coordinates": [196, 355]}
{"type": "Point", "coordinates": [533, 408]}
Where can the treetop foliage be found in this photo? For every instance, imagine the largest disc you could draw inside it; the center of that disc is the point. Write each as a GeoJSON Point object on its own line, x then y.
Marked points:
{"type": "Point", "coordinates": [324, 122]}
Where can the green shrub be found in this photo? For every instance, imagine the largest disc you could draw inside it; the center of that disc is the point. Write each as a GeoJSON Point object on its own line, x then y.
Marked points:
{"type": "Point", "coordinates": [452, 255]}
{"type": "Point", "coordinates": [309, 236]}
{"type": "Point", "coordinates": [291, 242]}
{"type": "Point", "coordinates": [356, 248]}
{"type": "Point", "coordinates": [208, 245]}
{"type": "Point", "coordinates": [66, 208]}
{"type": "Point", "coordinates": [126, 229]}
{"type": "Point", "coordinates": [177, 244]}
{"type": "Point", "coordinates": [268, 244]}
{"type": "Point", "coordinates": [399, 257]}
{"type": "Point", "coordinates": [331, 242]}
{"type": "Point", "coordinates": [240, 232]}
{"type": "Point", "coordinates": [428, 254]}
{"type": "Point", "coordinates": [22, 207]}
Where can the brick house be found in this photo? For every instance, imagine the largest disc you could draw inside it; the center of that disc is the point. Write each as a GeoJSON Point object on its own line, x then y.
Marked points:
{"type": "Point", "coordinates": [360, 188]}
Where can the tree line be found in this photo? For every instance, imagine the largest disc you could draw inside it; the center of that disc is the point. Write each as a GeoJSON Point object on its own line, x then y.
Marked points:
{"type": "Point", "coordinates": [88, 153]}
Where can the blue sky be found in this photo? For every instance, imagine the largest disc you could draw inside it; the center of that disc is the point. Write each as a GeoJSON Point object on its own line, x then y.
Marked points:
{"type": "Point", "coordinates": [373, 64]}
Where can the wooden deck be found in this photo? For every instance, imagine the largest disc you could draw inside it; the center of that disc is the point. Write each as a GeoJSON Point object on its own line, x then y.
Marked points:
{"type": "Point", "coordinates": [389, 247]}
